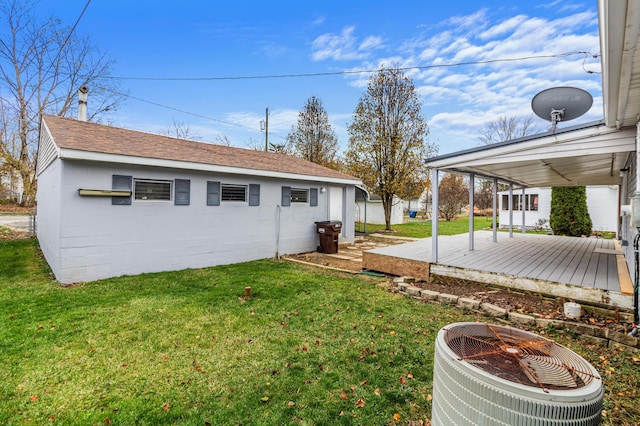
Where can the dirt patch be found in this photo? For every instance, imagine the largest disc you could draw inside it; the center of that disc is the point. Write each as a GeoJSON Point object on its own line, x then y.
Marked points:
{"type": "Point", "coordinates": [513, 300]}
{"type": "Point", "coordinates": [10, 234]}
{"type": "Point", "coordinates": [13, 208]}
{"type": "Point", "coordinates": [349, 256]}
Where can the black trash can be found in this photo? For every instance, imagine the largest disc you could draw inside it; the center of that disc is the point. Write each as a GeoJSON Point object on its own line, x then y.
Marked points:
{"type": "Point", "coordinates": [328, 230]}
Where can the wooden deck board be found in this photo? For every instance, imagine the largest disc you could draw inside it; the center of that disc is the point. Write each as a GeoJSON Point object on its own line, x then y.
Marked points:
{"type": "Point", "coordinates": [569, 260]}
{"type": "Point", "coordinates": [612, 271]}
{"type": "Point", "coordinates": [580, 258]}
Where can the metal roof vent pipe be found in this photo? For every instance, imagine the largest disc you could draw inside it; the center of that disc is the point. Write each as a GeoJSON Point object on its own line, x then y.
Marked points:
{"type": "Point", "coordinates": [82, 103]}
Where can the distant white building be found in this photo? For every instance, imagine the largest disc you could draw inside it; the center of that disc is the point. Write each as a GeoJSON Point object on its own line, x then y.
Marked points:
{"type": "Point", "coordinates": [369, 209]}
{"type": "Point", "coordinates": [602, 203]}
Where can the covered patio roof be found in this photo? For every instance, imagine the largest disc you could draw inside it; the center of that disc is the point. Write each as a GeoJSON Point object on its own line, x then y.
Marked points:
{"type": "Point", "coordinates": [589, 154]}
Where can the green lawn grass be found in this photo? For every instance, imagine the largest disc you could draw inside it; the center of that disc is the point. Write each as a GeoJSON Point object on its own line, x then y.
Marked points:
{"type": "Point", "coordinates": [307, 348]}
{"type": "Point", "coordinates": [187, 348]}
{"type": "Point", "coordinates": [422, 229]}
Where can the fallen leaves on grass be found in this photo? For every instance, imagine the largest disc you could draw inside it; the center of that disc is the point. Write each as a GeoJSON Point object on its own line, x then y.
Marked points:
{"type": "Point", "coordinates": [360, 403]}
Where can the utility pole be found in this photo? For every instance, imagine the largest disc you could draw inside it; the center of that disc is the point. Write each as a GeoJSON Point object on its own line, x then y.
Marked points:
{"type": "Point", "coordinates": [266, 131]}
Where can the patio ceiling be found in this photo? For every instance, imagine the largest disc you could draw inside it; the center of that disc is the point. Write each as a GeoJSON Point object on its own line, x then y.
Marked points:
{"type": "Point", "coordinates": [591, 154]}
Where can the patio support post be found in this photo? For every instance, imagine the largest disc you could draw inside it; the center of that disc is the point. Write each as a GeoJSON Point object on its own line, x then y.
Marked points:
{"type": "Point", "coordinates": [472, 180]}
{"type": "Point", "coordinates": [523, 205]}
{"type": "Point", "coordinates": [434, 215]}
{"type": "Point", "coordinates": [510, 210]}
{"type": "Point", "coordinates": [495, 210]}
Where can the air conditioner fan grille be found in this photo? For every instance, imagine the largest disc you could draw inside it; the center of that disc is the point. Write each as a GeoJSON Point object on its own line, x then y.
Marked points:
{"type": "Point", "coordinates": [519, 356]}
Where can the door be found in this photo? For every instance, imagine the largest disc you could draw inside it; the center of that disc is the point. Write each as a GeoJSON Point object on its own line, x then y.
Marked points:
{"type": "Point", "coordinates": [336, 204]}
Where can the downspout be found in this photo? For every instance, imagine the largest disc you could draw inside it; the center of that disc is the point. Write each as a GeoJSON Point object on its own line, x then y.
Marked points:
{"type": "Point", "coordinates": [278, 211]}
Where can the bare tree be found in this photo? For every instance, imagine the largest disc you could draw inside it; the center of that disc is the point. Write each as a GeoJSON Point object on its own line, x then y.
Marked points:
{"type": "Point", "coordinates": [42, 65]}
{"type": "Point", "coordinates": [506, 128]}
{"type": "Point", "coordinates": [313, 138]}
{"type": "Point", "coordinates": [180, 130]}
{"type": "Point", "coordinates": [281, 148]}
{"type": "Point", "coordinates": [223, 140]}
{"type": "Point", "coordinates": [388, 137]}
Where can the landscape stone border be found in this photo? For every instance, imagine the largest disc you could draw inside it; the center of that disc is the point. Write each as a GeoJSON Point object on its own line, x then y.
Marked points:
{"type": "Point", "coordinates": [590, 334]}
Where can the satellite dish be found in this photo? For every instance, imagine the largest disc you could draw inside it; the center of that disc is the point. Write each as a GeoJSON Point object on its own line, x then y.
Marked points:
{"type": "Point", "coordinates": [561, 104]}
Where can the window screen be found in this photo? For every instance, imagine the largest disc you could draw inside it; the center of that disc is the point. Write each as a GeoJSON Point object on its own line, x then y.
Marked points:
{"type": "Point", "coordinates": [152, 190]}
{"type": "Point", "coordinates": [234, 192]}
{"type": "Point", "coordinates": [299, 195]}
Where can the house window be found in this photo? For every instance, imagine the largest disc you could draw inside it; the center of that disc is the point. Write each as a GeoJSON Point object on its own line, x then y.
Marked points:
{"type": "Point", "coordinates": [152, 190]}
{"type": "Point", "coordinates": [234, 192]}
{"type": "Point", "coordinates": [530, 202]}
{"type": "Point", "coordinates": [505, 202]}
{"type": "Point", "coordinates": [299, 195]}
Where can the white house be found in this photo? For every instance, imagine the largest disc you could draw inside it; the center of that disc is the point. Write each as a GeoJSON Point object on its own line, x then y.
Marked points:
{"type": "Point", "coordinates": [114, 202]}
{"type": "Point", "coordinates": [369, 209]}
{"type": "Point", "coordinates": [602, 203]}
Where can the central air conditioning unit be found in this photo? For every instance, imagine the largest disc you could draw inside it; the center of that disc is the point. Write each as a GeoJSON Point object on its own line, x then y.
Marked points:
{"type": "Point", "coordinates": [487, 374]}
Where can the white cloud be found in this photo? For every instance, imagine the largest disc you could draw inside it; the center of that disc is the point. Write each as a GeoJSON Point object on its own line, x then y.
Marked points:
{"type": "Point", "coordinates": [370, 42]}
{"type": "Point", "coordinates": [475, 20]}
{"type": "Point", "coordinates": [458, 101]}
{"type": "Point", "coordinates": [503, 27]}
{"type": "Point", "coordinates": [343, 46]}
{"type": "Point", "coordinates": [318, 21]}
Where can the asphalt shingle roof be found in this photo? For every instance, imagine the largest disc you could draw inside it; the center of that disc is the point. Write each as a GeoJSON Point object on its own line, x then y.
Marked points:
{"type": "Point", "coordinates": [92, 137]}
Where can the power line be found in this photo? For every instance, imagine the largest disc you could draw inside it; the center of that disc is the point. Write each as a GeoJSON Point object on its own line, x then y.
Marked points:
{"type": "Point", "coordinates": [174, 109]}
{"type": "Point", "coordinates": [323, 74]}
{"type": "Point", "coordinates": [66, 40]}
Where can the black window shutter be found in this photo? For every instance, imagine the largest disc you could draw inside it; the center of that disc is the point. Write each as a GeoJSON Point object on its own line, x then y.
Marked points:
{"type": "Point", "coordinates": [286, 196]}
{"type": "Point", "coordinates": [213, 193]}
{"type": "Point", "coordinates": [313, 197]}
{"type": "Point", "coordinates": [124, 183]}
{"type": "Point", "coordinates": [182, 192]}
{"type": "Point", "coordinates": [254, 194]}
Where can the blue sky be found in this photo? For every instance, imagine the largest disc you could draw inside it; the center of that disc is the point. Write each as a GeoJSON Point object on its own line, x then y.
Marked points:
{"type": "Point", "coordinates": [205, 39]}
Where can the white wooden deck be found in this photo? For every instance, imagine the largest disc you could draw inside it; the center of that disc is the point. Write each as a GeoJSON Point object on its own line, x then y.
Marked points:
{"type": "Point", "coordinates": [589, 263]}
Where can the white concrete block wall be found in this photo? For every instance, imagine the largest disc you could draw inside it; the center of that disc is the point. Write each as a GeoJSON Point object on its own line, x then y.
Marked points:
{"type": "Point", "coordinates": [48, 214]}
{"type": "Point", "coordinates": [99, 240]}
